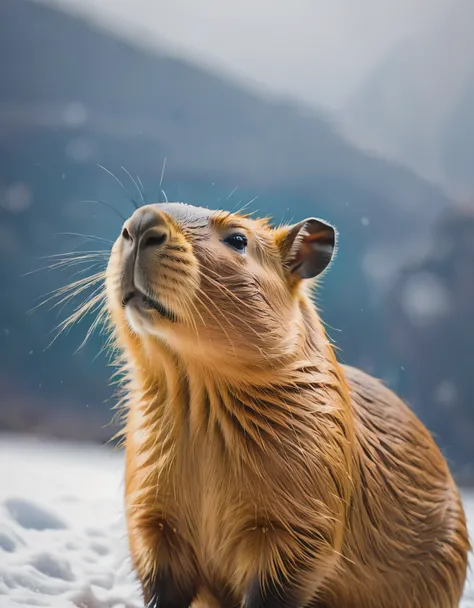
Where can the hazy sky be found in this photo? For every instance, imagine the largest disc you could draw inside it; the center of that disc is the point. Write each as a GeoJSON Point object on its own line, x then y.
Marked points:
{"type": "Point", "coordinates": [317, 50]}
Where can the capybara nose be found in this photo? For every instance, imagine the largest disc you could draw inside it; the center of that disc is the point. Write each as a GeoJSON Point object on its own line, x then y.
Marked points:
{"type": "Point", "coordinates": [146, 228]}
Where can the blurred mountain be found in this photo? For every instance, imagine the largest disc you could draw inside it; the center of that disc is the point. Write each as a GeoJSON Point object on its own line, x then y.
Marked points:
{"type": "Point", "coordinates": [73, 95]}
{"type": "Point", "coordinates": [67, 76]}
{"type": "Point", "coordinates": [415, 106]}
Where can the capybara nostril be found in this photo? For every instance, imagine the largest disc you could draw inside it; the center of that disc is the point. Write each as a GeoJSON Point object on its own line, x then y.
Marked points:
{"type": "Point", "coordinates": [153, 239]}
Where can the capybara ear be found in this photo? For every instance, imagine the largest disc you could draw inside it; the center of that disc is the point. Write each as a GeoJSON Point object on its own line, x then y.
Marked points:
{"type": "Point", "coordinates": [307, 247]}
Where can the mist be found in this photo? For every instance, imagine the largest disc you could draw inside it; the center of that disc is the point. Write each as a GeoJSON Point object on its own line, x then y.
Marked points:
{"type": "Point", "coordinates": [318, 52]}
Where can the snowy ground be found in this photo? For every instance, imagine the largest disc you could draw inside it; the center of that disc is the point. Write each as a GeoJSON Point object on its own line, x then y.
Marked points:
{"type": "Point", "coordinates": [62, 536]}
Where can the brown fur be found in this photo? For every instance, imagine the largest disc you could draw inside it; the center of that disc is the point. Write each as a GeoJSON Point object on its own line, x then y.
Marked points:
{"type": "Point", "coordinates": [252, 456]}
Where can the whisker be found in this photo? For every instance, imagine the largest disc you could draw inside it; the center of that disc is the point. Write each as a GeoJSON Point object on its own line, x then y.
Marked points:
{"type": "Point", "coordinates": [108, 205]}
{"type": "Point", "coordinates": [77, 315]}
{"type": "Point", "coordinates": [130, 198]}
{"type": "Point", "coordinates": [233, 192]}
{"type": "Point", "coordinates": [202, 292]}
{"type": "Point", "coordinates": [140, 193]}
{"type": "Point", "coordinates": [75, 284]}
{"type": "Point", "coordinates": [225, 290]}
{"type": "Point", "coordinates": [78, 272]}
{"type": "Point", "coordinates": [238, 317]}
{"type": "Point", "coordinates": [107, 345]}
{"type": "Point", "coordinates": [161, 180]}
{"type": "Point", "coordinates": [83, 270]}
{"type": "Point", "coordinates": [99, 320]}
{"type": "Point", "coordinates": [97, 294]}
{"type": "Point", "coordinates": [193, 304]}
{"type": "Point", "coordinates": [141, 184]}
{"type": "Point", "coordinates": [91, 237]}
{"type": "Point", "coordinates": [70, 290]}
{"type": "Point", "coordinates": [252, 200]}
{"type": "Point", "coordinates": [241, 209]}
{"type": "Point", "coordinates": [68, 297]}
{"type": "Point", "coordinates": [75, 253]}
{"type": "Point", "coordinates": [99, 317]}
{"type": "Point", "coordinates": [69, 262]}
{"type": "Point", "coordinates": [229, 294]}
{"type": "Point", "coordinates": [162, 172]}
{"type": "Point", "coordinates": [66, 301]}
{"type": "Point", "coordinates": [62, 264]}
{"type": "Point", "coordinates": [189, 317]}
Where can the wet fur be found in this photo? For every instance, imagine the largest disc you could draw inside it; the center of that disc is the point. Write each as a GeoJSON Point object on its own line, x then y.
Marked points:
{"type": "Point", "coordinates": [259, 471]}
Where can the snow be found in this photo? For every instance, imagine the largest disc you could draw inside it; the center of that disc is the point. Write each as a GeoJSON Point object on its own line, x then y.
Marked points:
{"type": "Point", "coordinates": [62, 533]}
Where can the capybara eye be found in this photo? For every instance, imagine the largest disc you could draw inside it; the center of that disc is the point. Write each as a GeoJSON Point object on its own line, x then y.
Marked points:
{"type": "Point", "coordinates": [237, 241]}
